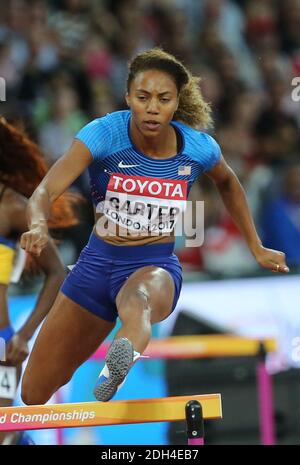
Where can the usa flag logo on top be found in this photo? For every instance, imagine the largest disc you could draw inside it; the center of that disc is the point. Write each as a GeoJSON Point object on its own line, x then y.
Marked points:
{"type": "Point", "coordinates": [184, 170]}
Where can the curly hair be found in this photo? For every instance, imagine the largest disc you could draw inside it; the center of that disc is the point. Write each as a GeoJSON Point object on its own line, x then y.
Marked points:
{"type": "Point", "coordinates": [192, 108]}
{"type": "Point", "coordinates": [22, 168]}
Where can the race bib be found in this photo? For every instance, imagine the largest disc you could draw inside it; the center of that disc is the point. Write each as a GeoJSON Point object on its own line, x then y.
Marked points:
{"type": "Point", "coordinates": [143, 204]}
{"type": "Point", "coordinates": [8, 382]}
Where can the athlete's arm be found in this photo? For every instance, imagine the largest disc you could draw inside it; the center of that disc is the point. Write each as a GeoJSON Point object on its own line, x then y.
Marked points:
{"type": "Point", "coordinates": [57, 180]}
{"type": "Point", "coordinates": [234, 198]}
{"type": "Point", "coordinates": [51, 265]}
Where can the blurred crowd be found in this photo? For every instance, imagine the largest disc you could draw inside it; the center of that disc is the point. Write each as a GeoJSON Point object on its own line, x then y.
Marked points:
{"type": "Point", "coordinates": [65, 63]}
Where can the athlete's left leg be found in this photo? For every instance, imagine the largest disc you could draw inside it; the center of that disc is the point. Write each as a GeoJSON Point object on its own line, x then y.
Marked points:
{"type": "Point", "coordinates": [146, 298]}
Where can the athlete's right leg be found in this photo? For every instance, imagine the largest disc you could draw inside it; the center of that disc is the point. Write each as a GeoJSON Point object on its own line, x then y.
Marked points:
{"type": "Point", "coordinates": [146, 297]}
{"type": "Point", "coordinates": [68, 337]}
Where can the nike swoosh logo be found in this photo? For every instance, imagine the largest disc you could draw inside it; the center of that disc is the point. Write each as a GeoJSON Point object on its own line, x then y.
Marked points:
{"type": "Point", "coordinates": [121, 165]}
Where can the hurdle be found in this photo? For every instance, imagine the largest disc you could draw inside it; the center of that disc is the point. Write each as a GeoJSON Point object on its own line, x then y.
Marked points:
{"type": "Point", "coordinates": [83, 414]}
{"type": "Point", "coordinates": [220, 345]}
{"type": "Point", "coordinates": [181, 347]}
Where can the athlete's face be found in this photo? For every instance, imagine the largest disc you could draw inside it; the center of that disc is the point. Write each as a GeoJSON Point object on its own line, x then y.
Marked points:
{"type": "Point", "coordinates": [153, 100]}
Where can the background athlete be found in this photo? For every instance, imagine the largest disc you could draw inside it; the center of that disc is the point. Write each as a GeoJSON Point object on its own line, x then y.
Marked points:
{"type": "Point", "coordinates": [150, 154]}
{"type": "Point", "coordinates": [21, 170]}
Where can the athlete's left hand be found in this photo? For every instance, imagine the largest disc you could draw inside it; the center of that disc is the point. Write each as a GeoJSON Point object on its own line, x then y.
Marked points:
{"type": "Point", "coordinates": [17, 350]}
{"type": "Point", "coordinates": [271, 259]}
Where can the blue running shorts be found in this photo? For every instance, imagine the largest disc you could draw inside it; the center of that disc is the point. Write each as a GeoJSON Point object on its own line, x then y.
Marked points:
{"type": "Point", "coordinates": [103, 268]}
{"type": "Point", "coordinates": [7, 333]}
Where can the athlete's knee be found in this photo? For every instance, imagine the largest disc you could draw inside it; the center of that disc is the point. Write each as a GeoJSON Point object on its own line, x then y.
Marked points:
{"type": "Point", "coordinates": [34, 392]}
{"type": "Point", "coordinates": [136, 300]}
{"type": "Point", "coordinates": [31, 392]}
{"type": "Point", "coordinates": [32, 396]}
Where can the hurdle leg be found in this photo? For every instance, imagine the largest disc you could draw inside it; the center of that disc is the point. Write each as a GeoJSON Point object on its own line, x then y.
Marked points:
{"type": "Point", "coordinates": [195, 423]}
{"type": "Point", "coordinates": [59, 431]}
{"type": "Point", "coordinates": [265, 400]}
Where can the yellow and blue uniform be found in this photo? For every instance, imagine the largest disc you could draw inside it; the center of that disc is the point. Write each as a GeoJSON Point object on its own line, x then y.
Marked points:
{"type": "Point", "coordinates": [7, 256]}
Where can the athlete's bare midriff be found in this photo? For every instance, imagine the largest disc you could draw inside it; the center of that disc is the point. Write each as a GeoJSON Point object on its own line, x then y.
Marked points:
{"type": "Point", "coordinates": [115, 235]}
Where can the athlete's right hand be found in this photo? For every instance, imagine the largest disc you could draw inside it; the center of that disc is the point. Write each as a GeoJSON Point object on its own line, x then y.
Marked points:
{"type": "Point", "coordinates": [35, 240]}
